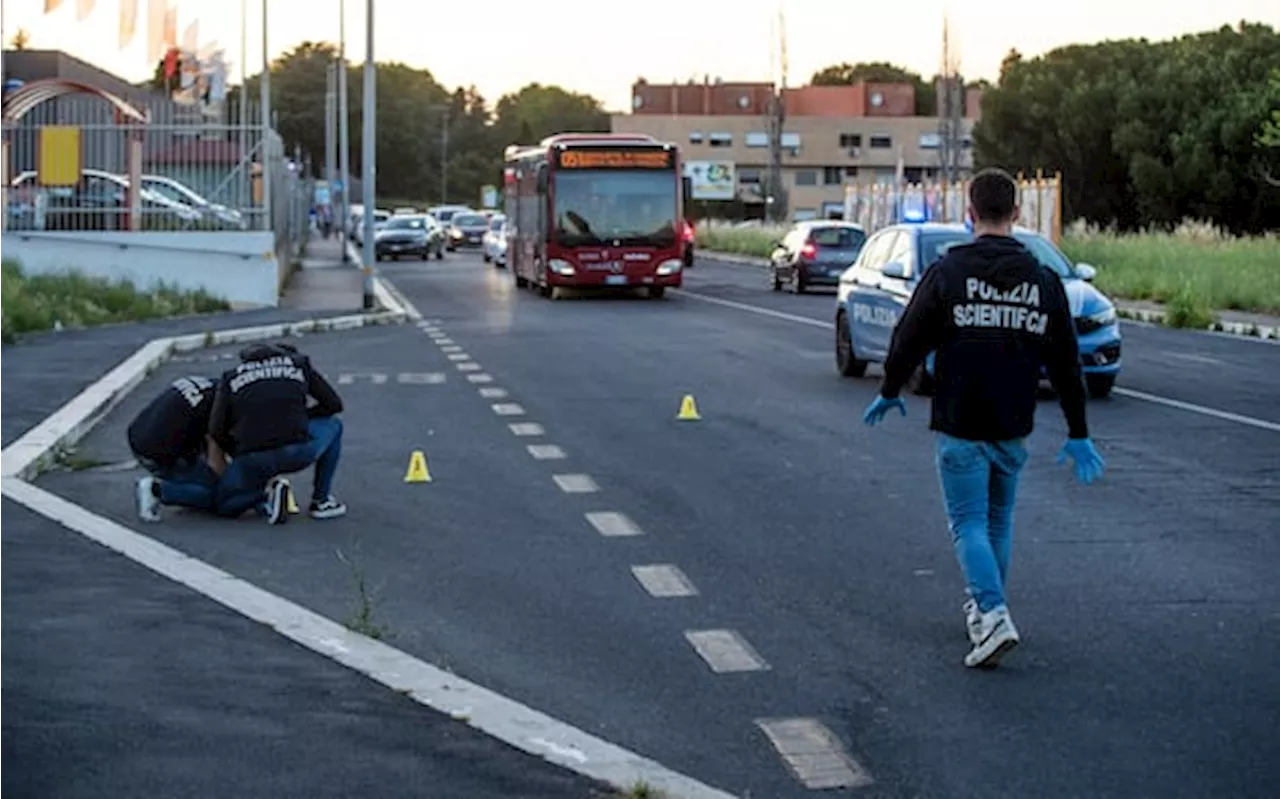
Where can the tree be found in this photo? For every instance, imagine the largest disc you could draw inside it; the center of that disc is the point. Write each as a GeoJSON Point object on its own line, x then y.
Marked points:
{"type": "Point", "coordinates": [538, 111]}
{"type": "Point", "coordinates": [1268, 137]}
{"type": "Point", "coordinates": [21, 39]}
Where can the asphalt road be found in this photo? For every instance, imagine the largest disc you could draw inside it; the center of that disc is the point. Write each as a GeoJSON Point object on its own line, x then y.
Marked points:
{"type": "Point", "coordinates": [1148, 604]}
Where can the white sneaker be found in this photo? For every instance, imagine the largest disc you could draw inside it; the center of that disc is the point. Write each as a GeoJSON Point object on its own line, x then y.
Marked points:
{"type": "Point", "coordinates": [146, 495]}
{"type": "Point", "coordinates": [327, 508]}
{"type": "Point", "coordinates": [996, 636]}
{"type": "Point", "coordinates": [276, 502]}
{"type": "Point", "coordinates": [973, 621]}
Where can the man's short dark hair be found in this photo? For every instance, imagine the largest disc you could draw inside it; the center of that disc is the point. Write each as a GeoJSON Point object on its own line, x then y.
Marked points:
{"type": "Point", "coordinates": [993, 195]}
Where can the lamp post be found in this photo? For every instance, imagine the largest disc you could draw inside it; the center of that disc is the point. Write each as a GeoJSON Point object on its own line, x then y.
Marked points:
{"type": "Point", "coordinates": [344, 117]}
{"type": "Point", "coordinates": [265, 96]}
{"type": "Point", "coordinates": [369, 154]}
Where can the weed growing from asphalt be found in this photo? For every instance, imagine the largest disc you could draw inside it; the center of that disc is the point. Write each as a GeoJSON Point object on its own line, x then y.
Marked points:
{"type": "Point", "coordinates": [73, 460]}
{"type": "Point", "coordinates": [641, 790]}
{"type": "Point", "coordinates": [361, 619]}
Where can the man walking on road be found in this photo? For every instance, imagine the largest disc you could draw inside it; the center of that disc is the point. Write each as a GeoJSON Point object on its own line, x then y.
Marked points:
{"type": "Point", "coordinates": [260, 417]}
{"type": "Point", "coordinates": [168, 438]}
{"type": "Point", "coordinates": [993, 315]}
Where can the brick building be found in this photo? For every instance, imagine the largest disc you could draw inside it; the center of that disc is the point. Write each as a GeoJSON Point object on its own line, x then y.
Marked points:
{"type": "Point", "coordinates": [833, 135]}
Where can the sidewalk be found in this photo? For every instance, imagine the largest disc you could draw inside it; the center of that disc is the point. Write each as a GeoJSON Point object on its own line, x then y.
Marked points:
{"type": "Point", "coordinates": [118, 682]}
{"type": "Point", "coordinates": [324, 283]}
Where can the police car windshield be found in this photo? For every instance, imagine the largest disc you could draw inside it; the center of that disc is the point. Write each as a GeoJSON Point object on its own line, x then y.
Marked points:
{"type": "Point", "coordinates": [934, 245]}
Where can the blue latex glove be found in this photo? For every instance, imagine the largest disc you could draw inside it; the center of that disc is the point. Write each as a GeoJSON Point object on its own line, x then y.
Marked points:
{"type": "Point", "coordinates": [1088, 463]}
{"type": "Point", "coordinates": [879, 407]}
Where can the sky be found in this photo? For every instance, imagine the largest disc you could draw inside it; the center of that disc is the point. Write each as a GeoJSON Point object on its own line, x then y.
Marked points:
{"type": "Point", "coordinates": [591, 47]}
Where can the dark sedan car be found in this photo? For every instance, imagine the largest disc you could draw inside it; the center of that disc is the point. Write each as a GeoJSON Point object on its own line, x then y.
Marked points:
{"type": "Point", "coordinates": [417, 236]}
{"type": "Point", "coordinates": [815, 254]}
{"type": "Point", "coordinates": [467, 230]}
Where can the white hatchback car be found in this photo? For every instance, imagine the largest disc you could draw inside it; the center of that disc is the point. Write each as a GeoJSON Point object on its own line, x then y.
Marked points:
{"type": "Point", "coordinates": [494, 244]}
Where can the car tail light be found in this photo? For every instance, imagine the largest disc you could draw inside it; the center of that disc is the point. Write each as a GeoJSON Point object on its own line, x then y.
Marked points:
{"type": "Point", "coordinates": [688, 232]}
{"type": "Point", "coordinates": [808, 251]}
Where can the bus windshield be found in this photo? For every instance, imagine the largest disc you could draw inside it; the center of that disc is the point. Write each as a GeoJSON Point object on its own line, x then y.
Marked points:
{"type": "Point", "coordinates": [632, 207]}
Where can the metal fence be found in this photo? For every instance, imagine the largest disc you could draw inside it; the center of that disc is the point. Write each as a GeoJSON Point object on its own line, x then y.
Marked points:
{"type": "Point", "coordinates": [67, 167]}
{"type": "Point", "coordinates": [877, 206]}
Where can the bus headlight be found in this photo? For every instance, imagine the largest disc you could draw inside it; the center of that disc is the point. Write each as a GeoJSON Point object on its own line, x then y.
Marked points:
{"type": "Point", "coordinates": [560, 267]}
{"type": "Point", "coordinates": [670, 267]}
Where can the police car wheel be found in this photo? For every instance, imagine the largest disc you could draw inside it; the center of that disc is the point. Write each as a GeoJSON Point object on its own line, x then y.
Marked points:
{"type": "Point", "coordinates": [1099, 385]}
{"type": "Point", "coordinates": [846, 364]}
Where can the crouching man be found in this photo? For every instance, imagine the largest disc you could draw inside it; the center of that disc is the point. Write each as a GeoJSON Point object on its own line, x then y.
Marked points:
{"type": "Point", "coordinates": [168, 437]}
{"type": "Point", "coordinates": [260, 417]}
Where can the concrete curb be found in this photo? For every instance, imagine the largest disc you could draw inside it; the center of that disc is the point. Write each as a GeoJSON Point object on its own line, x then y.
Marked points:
{"type": "Point", "coordinates": [1241, 329]}
{"type": "Point", "coordinates": [34, 450]}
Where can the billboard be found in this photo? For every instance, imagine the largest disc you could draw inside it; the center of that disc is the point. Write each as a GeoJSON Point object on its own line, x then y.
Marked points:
{"type": "Point", "coordinates": [711, 180]}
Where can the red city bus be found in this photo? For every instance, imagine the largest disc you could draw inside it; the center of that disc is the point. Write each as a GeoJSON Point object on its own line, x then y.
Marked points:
{"type": "Point", "coordinates": [589, 210]}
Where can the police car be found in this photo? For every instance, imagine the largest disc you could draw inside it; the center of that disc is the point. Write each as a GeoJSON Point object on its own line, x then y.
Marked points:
{"type": "Point", "coordinates": [874, 291]}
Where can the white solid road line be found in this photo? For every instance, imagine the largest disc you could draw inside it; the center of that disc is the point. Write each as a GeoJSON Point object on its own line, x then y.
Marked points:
{"type": "Point", "coordinates": [545, 452]}
{"type": "Point", "coordinates": [492, 392]}
{"type": "Point", "coordinates": [576, 483]}
{"type": "Point", "coordinates": [725, 651]}
{"type": "Point", "coordinates": [508, 409]}
{"type": "Point", "coordinates": [480, 377]}
{"type": "Point", "coordinates": [664, 581]}
{"type": "Point", "coordinates": [612, 524]}
{"type": "Point", "coordinates": [491, 713]}
{"type": "Point", "coordinates": [814, 754]}
{"type": "Point", "coordinates": [1262, 424]}
{"type": "Point", "coordinates": [526, 429]}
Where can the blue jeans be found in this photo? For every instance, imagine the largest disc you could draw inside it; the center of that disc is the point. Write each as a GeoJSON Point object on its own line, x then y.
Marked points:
{"type": "Point", "coordinates": [245, 479]}
{"type": "Point", "coordinates": [979, 485]}
{"type": "Point", "coordinates": [189, 483]}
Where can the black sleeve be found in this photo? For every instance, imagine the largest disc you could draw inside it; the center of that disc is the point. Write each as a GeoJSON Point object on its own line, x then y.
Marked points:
{"type": "Point", "coordinates": [328, 403]}
{"type": "Point", "coordinates": [917, 332]}
{"type": "Point", "coordinates": [220, 416]}
{"type": "Point", "coordinates": [1062, 358]}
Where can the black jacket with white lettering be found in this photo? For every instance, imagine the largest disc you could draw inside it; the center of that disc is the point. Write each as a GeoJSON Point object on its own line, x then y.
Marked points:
{"type": "Point", "coordinates": [993, 314]}
{"type": "Point", "coordinates": [261, 404]}
{"type": "Point", "coordinates": [172, 426]}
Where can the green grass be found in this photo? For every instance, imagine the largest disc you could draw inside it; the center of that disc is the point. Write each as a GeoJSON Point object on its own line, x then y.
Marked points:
{"type": "Point", "coordinates": [1194, 270]}
{"type": "Point", "coordinates": [33, 303]}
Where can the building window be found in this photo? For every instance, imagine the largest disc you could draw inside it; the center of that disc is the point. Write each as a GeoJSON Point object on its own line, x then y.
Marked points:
{"type": "Point", "coordinates": [832, 175]}
{"type": "Point", "coordinates": [851, 172]}
{"type": "Point", "coordinates": [881, 142]}
{"type": "Point", "coordinates": [790, 141]}
{"type": "Point", "coordinates": [749, 175]}
{"type": "Point", "coordinates": [806, 177]}
{"type": "Point", "coordinates": [721, 139]}
{"type": "Point", "coordinates": [930, 141]}
{"type": "Point", "coordinates": [695, 137]}
{"type": "Point", "coordinates": [757, 139]}
{"type": "Point", "coordinates": [850, 140]}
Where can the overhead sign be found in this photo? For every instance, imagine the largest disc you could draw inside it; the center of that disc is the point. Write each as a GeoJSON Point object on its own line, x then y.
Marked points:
{"type": "Point", "coordinates": [615, 159]}
{"type": "Point", "coordinates": [711, 180]}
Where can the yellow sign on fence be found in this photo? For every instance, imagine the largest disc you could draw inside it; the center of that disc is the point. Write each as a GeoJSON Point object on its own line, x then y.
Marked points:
{"type": "Point", "coordinates": [59, 162]}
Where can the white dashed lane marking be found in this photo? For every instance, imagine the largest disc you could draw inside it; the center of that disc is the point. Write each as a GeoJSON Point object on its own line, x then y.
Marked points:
{"type": "Point", "coordinates": [480, 377]}
{"type": "Point", "coordinates": [814, 754]}
{"type": "Point", "coordinates": [613, 524]}
{"type": "Point", "coordinates": [545, 452]}
{"type": "Point", "coordinates": [492, 392]}
{"type": "Point", "coordinates": [421, 378]}
{"type": "Point", "coordinates": [526, 429]}
{"type": "Point", "coordinates": [576, 483]}
{"type": "Point", "coordinates": [459, 356]}
{"type": "Point", "coordinates": [469, 366]}
{"type": "Point", "coordinates": [508, 409]}
{"type": "Point", "coordinates": [725, 651]}
{"type": "Point", "coordinates": [664, 580]}
{"type": "Point", "coordinates": [451, 348]}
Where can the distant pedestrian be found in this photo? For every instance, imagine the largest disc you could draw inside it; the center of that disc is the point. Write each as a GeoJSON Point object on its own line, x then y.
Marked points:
{"type": "Point", "coordinates": [993, 315]}
{"type": "Point", "coordinates": [261, 418]}
{"type": "Point", "coordinates": [168, 439]}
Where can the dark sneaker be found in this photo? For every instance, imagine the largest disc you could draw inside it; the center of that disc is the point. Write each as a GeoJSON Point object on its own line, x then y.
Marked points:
{"type": "Point", "coordinates": [327, 508]}
{"type": "Point", "coordinates": [275, 504]}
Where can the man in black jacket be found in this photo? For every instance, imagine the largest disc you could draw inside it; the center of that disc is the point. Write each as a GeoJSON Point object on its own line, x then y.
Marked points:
{"type": "Point", "coordinates": [993, 315]}
{"type": "Point", "coordinates": [260, 417]}
{"type": "Point", "coordinates": [168, 438]}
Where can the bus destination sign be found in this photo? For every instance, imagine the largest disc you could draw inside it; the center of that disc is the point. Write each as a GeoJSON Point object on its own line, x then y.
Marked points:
{"type": "Point", "coordinates": [616, 159]}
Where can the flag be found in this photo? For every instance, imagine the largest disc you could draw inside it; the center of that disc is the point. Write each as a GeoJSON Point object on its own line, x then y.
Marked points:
{"type": "Point", "coordinates": [128, 22]}
{"type": "Point", "coordinates": [83, 9]}
{"type": "Point", "coordinates": [171, 27]}
{"type": "Point", "coordinates": [157, 13]}
{"type": "Point", "coordinates": [191, 37]}
{"type": "Point", "coordinates": [51, 6]}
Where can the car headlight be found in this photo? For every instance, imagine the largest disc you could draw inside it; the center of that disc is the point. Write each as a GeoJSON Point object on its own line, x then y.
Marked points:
{"type": "Point", "coordinates": [1097, 321]}
{"type": "Point", "coordinates": [560, 267]}
{"type": "Point", "coordinates": [457, 234]}
{"type": "Point", "coordinates": [670, 267]}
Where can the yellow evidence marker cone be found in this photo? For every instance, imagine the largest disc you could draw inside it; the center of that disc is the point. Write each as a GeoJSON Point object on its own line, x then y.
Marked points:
{"type": "Point", "coordinates": [292, 507]}
{"type": "Point", "coordinates": [688, 409]}
{"type": "Point", "coordinates": [417, 472]}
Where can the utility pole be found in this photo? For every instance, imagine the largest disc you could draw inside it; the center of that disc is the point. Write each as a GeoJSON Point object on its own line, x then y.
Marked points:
{"type": "Point", "coordinates": [264, 90]}
{"type": "Point", "coordinates": [246, 181]}
{"type": "Point", "coordinates": [444, 153]}
{"type": "Point", "coordinates": [344, 119]}
{"type": "Point", "coordinates": [950, 110]}
{"type": "Point", "coordinates": [368, 154]}
{"type": "Point", "coordinates": [776, 202]}
{"type": "Point", "coordinates": [331, 128]}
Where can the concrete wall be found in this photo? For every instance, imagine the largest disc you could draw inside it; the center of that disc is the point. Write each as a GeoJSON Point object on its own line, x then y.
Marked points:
{"type": "Point", "coordinates": [238, 266]}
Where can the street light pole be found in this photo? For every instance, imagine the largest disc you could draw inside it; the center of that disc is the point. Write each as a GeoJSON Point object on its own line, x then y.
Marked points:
{"type": "Point", "coordinates": [368, 154]}
{"type": "Point", "coordinates": [444, 158]}
{"type": "Point", "coordinates": [344, 117]}
{"type": "Point", "coordinates": [330, 127]}
{"type": "Point", "coordinates": [265, 93]}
